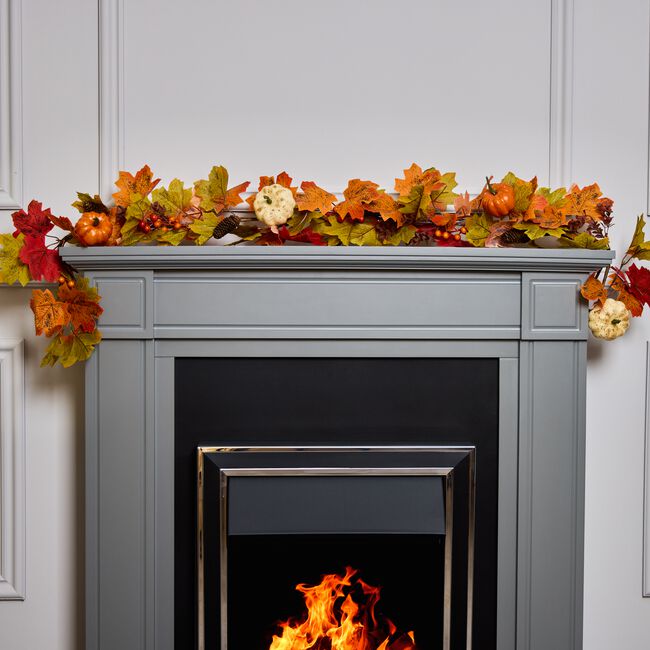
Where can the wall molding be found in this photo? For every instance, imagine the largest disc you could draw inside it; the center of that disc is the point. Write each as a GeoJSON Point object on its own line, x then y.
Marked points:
{"type": "Point", "coordinates": [561, 93]}
{"type": "Point", "coordinates": [11, 128]}
{"type": "Point", "coordinates": [12, 471]}
{"type": "Point", "coordinates": [111, 94]}
{"type": "Point", "coordinates": [646, 493]}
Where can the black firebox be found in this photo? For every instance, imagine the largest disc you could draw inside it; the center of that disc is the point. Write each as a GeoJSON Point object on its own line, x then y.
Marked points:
{"type": "Point", "coordinates": [369, 480]}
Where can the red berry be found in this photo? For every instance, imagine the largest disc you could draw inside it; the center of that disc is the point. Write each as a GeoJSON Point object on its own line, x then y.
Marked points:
{"type": "Point", "coordinates": [147, 228]}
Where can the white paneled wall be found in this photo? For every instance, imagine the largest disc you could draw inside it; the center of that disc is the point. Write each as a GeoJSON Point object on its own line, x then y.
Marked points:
{"type": "Point", "coordinates": [329, 91]}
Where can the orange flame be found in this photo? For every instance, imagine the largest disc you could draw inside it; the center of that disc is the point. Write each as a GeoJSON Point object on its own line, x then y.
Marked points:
{"type": "Point", "coordinates": [347, 625]}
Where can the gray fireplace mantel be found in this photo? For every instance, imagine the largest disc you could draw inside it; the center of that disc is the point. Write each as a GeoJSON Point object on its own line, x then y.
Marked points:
{"type": "Point", "coordinates": [520, 306]}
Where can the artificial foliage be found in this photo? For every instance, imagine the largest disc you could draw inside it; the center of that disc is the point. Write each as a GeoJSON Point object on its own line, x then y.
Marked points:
{"type": "Point", "coordinates": [423, 208]}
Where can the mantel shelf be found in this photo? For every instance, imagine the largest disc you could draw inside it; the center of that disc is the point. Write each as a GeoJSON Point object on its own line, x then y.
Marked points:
{"type": "Point", "coordinates": [316, 257]}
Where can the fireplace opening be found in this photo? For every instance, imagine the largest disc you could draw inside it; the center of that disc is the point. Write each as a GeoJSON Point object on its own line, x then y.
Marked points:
{"type": "Point", "coordinates": [295, 592]}
{"type": "Point", "coordinates": [405, 493]}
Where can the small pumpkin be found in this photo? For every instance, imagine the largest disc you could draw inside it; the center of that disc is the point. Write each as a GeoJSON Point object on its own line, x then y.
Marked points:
{"type": "Point", "coordinates": [274, 205]}
{"type": "Point", "coordinates": [498, 199]}
{"type": "Point", "coordinates": [93, 229]}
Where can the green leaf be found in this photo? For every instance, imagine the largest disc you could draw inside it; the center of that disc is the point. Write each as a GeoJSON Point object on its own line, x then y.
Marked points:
{"type": "Point", "coordinates": [351, 232]}
{"type": "Point", "coordinates": [478, 229]}
{"type": "Point", "coordinates": [402, 235]}
{"type": "Point", "coordinates": [447, 196]}
{"type": "Point", "coordinates": [639, 248]}
{"type": "Point", "coordinates": [204, 227]}
{"type": "Point", "coordinates": [554, 198]}
{"type": "Point", "coordinates": [585, 240]}
{"type": "Point", "coordinates": [87, 203]}
{"type": "Point", "coordinates": [175, 198]}
{"type": "Point", "coordinates": [301, 220]}
{"type": "Point", "coordinates": [536, 232]}
{"type": "Point", "coordinates": [213, 191]}
{"type": "Point", "coordinates": [415, 201]}
{"type": "Point", "coordinates": [135, 213]}
{"type": "Point", "coordinates": [67, 349]}
{"type": "Point", "coordinates": [173, 237]}
{"type": "Point", "coordinates": [12, 268]}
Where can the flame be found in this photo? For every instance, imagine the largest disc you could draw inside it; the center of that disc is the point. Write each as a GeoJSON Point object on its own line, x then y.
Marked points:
{"type": "Point", "coordinates": [341, 616]}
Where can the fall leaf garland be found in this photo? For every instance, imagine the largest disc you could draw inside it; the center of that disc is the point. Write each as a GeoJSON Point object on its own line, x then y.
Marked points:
{"type": "Point", "coordinates": [424, 210]}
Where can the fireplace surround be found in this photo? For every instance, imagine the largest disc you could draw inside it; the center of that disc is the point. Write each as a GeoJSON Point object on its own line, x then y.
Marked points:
{"type": "Point", "coordinates": [270, 327]}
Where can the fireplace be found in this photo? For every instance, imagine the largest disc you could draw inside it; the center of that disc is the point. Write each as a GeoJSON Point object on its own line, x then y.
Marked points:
{"type": "Point", "coordinates": [336, 448]}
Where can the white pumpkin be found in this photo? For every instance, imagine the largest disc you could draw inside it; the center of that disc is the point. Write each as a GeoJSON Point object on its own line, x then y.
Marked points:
{"type": "Point", "coordinates": [274, 205]}
{"type": "Point", "coordinates": [609, 321]}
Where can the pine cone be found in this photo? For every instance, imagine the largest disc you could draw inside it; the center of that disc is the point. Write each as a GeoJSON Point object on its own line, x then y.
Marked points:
{"type": "Point", "coordinates": [226, 226]}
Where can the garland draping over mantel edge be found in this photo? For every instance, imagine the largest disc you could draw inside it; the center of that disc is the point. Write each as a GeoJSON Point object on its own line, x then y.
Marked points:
{"type": "Point", "coordinates": [426, 210]}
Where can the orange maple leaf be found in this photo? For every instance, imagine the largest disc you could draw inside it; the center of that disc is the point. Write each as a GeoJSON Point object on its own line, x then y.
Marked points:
{"type": "Point", "coordinates": [82, 306]}
{"type": "Point", "coordinates": [315, 198]}
{"type": "Point", "coordinates": [233, 195]}
{"type": "Point", "coordinates": [359, 195]}
{"type": "Point", "coordinates": [550, 217]}
{"type": "Point", "coordinates": [387, 208]}
{"type": "Point", "coordinates": [463, 205]}
{"type": "Point", "coordinates": [594, 289]}
{"type": "Point", "coordinates": [50, 315]}
{"type": "Point", "coordinates": [142, 183]}
{"type": "Point", "coordinates": [415, 176]}
{"type": "Point", "coordinates": [583, 202]}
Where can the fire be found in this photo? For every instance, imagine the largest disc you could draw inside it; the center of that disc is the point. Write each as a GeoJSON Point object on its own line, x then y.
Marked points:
{"type": "Point", "coordinates": [341, 616]}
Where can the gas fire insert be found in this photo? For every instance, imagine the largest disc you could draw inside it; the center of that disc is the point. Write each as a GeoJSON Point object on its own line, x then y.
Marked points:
{"type": "Point", "coordinates": [378, 540]}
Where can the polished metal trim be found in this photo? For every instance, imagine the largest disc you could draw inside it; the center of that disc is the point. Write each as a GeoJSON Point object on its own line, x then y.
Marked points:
{"type": "Point", "coordinates": [447, 473]}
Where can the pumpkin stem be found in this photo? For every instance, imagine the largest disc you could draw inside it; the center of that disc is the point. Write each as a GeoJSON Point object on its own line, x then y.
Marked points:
{"type": "Point", "coordinates": [268, 199]}
{"type": "Point", "coordinates": [95, 221]}
{"type": "Point", "coordinates": [491, 190]}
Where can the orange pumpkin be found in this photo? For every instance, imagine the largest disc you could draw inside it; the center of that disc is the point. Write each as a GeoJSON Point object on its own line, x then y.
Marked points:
{"type": "Point", "coordinates": [93, 229]}
{"type": "Point", "coordinates": [498, 200]}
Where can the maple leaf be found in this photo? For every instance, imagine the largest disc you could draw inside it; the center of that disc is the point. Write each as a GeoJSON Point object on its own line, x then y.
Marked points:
{"type": "Point", "coordinates": [463, 205]}
{"type": "Point", "coordinates": [534, 231]}
{"type": "Point", "coordinates": [402, 235]}
{"type": "Point", "coordinates": [131, 186]}
{"type": "Point", "coordinates": [585, 240]}
{"type": "Point", "coordinates": [307, 236]}
{"type": "Point", "coordinates": [352, 233]}
{"type": "Point", "coordinates": [82, 304]}
{"type": "Point", "coordinates": [35, 221]}
{"type": "Point", "coordinates": [583, 202]}
{"type": "Point", "coordinates": [634, 306]}
{"type": "Point", "coordinates": [44, 263]}
{"type": "Point", "coordinates": [87, 203]}
{"type": "Point", "coordinates": [414, 176]}
{"type": "Point", "coordinates": [138, 210]}
{"type": "Point", "coordinates": [550, 218]}
{"type": "Point", "coordinates": [285, 180]}
{"type": "Point", "coordinates": [174, 199]}
{"type": "Point", "coordinates": [314, 198]}
{"type": "Point", "coordinates": [594, 289]}
{"type": "Point", "coordinates": [12, 268]}
{"type": "Point", "coordinates": [478, 229]}
{"type": "Point", "coordinates": [638, 279]}
{"type": "Point", "coordinates": [554, 198]}
{"type": "Point", "coordinates": [50, 315]}
{"type": "Point", "coordinates": [204, 227]}
{"type": "Point", "coordinates": [214, 193]}
{"type": "Point", "coordinates": [638, 247]}
{"type": "Point", "coordinates": [365, 196]}
{"type": "Point", "coordinates": [62, 222]}
{"type": "Point", "coordinates": [68, 349]}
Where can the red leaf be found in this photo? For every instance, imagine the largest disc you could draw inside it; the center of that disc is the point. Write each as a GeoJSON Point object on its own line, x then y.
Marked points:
{"type": "Point", "coordinates": [639, 281]}
{"type": "Point", "coordinates": [308, 236]}
{"type": "Point", "coordinates": [44, 263]}
{"type": "Point", "coordinates": [35, 221]}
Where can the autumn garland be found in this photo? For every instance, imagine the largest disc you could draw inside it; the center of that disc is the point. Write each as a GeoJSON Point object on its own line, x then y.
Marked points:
{"type": "Point", "coordinates": [426, 211]}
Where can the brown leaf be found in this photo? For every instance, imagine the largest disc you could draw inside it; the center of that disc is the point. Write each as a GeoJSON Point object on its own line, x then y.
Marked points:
{"type": "Point", "coordinates": [82, 304]}
{"type": "Point", "coordinates": [314, 198]}
{"type": "Point", "coordinates": [50, 315]}
{"type": "Point", "coordinates": [583, 202]}
{"type": "Point", "coordinates": [359, 195]}
{"type": "Point", "coordinates": [634, 305]}
{"type": "Point", "coordinates": [550, 217]}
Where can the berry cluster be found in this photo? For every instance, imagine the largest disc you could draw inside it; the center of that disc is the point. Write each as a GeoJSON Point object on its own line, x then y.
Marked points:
{"type": "Point", "coordinates": [158, 220]}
